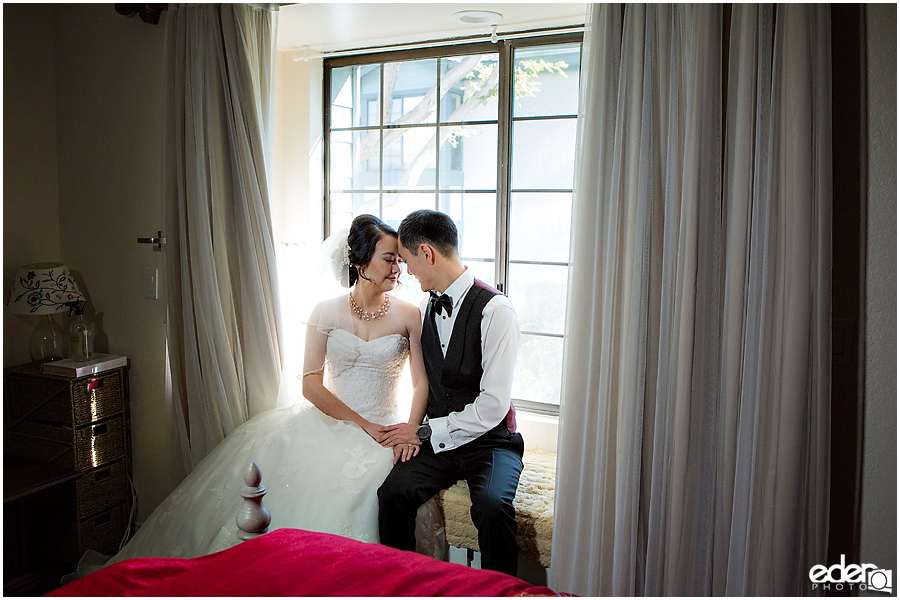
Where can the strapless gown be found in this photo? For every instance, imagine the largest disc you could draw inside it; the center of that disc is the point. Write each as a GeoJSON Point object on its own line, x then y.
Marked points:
{"type": "Point", "coordinates": [320, 474]}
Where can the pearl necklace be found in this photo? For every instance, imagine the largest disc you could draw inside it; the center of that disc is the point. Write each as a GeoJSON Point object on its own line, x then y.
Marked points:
{"type": "Point", "coordinates": [370, 316]}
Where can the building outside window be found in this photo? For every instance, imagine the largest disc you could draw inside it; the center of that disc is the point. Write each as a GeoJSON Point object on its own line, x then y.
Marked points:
{"type": "Point", "coordinates": [486, 134]}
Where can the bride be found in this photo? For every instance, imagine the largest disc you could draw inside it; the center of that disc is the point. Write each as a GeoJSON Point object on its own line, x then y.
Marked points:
{"type": "Point", "coordinates": [322, 463]}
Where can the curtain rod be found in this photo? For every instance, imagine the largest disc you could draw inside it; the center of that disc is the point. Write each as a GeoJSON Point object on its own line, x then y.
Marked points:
{"type": "Point", "coordinates": [444, 42]}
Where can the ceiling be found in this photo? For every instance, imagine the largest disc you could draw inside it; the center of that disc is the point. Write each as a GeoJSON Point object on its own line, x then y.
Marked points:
{"type": "Point", "coordinates": [331, 26]}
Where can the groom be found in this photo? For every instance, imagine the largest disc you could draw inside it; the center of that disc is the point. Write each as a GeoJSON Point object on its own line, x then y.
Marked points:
{"type": "Point", "coordinates": [470, 336]}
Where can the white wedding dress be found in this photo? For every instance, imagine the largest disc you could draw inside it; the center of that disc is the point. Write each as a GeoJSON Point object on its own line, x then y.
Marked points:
{"type": "Point", "coordinates": [320, 474]}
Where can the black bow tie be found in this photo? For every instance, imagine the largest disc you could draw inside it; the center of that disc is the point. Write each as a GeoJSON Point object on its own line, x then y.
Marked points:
{"type": "Point", "coordinates": [441, 301]}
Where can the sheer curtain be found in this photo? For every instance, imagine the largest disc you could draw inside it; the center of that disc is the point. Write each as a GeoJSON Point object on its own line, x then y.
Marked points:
{"type": "Point", "coordinates": [224, 356]}
{"type": "Point", "coordinates": [693, 453]}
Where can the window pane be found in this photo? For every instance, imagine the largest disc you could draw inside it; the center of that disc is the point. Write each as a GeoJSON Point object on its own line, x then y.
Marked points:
{"type": "Point", "coordinates": [539, 225]}
{"type": "Point", "coordinates": [409, 158]}
{"type": "Point", "coordinates": [340, 220]}
{"type": "Point", "coordinates": [475, 216]}
{"type": "Point", "coordinates": [468, 157]}
{"type": "Point", "coordinates": [539, 294]}
{"type": "Point", "coordinates": [473, 82]}
{"type": "Point", "coordinates": [353, 166]}
{"type": "Point", "coordinates": [340, 156]}
{"type": "Point", "coordinates": [406, 84]}
{"type": "Point", "coordinates": [482, 270]}
{"type": "Point", "coordinates": [546, 80]}
{"type": "Point", "coordinates": [396, 206]}
{"type": "Point", "coordinates": [543, 154]}
{"type": "Point", "coordinates": [341, 117]}
{"type": "Point", "coordinates": [538, 369]}
{"type": "Point", "coordinates": [344, 207]}
{"type": "Point", "coordinates": [354, 95]}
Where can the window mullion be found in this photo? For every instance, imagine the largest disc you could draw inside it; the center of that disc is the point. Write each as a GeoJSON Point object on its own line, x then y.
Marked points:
{"type": "Point", "coordinates": [381, 117]}
{"type": "Point", "coordinates": [437, 137]}
{"type": "Point", "coordinates": [504, 150]}
{"type": "Point", "coordinates": [326, 155]}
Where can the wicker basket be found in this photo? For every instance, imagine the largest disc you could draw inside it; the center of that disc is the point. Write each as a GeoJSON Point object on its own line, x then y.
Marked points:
{"type": "Point", "coordinates": [62, 401]}
{"type": "Point", "coordinates": [99, 444]}
{"type": "Point", "coordinates": [94, 445]}
{"type": "Point", "coordinates": [101, 532]}
{"type": "Point", "coordinates": [101, 488]}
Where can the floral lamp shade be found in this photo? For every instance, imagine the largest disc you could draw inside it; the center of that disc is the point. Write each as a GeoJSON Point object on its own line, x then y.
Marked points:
{"type": "Point", "coordinates": [44, 289]}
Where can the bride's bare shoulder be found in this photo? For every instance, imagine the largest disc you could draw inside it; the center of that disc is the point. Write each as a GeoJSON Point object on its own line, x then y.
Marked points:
{"type": "Point", "coordinates": [407, 308]}
{"type": "Point", "coordinates": [409, 315]}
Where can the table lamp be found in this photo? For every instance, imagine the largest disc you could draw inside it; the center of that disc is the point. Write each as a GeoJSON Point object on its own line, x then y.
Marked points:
{"type": "Point", "coordinates": [43, 289]}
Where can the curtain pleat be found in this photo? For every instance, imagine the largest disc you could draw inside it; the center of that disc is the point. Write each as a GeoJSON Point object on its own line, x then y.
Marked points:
{"type": "Point", "coordinates": [222, 316]}
{"type": "Point", "coordinates": [693, 453]}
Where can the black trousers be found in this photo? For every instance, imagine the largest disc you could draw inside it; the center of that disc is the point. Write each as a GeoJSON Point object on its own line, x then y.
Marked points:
{"type": "Point", "coordinates": [491, 467]}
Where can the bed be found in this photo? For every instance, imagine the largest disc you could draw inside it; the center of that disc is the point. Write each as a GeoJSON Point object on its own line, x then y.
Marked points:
{"type": "Point", "coordinates": [294, 562]}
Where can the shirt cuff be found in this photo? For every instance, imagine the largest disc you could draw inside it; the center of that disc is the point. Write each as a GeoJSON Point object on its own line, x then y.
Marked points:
{"type": "Point", "coordinates": [440, 435]}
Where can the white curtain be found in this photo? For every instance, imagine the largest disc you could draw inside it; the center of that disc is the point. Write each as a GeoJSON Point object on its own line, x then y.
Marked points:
{"type": "Point", "coordinates": [223, 325]}
{"type": "Point", "coordinates": [694, 430]}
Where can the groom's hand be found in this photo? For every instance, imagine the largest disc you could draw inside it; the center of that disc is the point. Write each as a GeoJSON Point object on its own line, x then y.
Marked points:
{"type": "Point", "coordinates": [399, 434]}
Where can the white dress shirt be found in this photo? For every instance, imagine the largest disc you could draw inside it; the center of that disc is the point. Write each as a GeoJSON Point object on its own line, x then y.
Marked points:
{"type": "Point", "coordinates": [499, 346]}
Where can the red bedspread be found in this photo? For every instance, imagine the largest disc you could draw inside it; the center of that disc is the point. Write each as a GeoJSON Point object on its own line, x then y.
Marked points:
{"type": "Point", "coordinates": [292, 562]}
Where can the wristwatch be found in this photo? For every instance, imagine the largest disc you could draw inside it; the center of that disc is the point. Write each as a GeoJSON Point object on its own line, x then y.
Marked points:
{"type": "Point", "coordinates": [424, 431]}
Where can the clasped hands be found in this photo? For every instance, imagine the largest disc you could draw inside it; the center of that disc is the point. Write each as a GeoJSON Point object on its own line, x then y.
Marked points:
{"type": "Point", "coordinates": [401, 437]}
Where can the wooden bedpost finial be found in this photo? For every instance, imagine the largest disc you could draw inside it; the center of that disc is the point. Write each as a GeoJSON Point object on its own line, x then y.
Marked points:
{"type": "Point", "coordinates": [253, 519]}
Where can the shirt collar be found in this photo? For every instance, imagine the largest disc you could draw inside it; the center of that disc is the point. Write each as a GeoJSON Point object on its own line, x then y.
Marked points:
{"type": "Point", "coordinates": [458, 288]}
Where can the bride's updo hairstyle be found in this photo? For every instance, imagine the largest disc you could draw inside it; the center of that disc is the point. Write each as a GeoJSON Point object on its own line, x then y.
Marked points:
{"type": "Point", "coordinates": [365, 232]}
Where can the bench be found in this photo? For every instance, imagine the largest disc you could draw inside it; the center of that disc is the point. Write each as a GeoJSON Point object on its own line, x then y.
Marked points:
{"type": "Point", "coordinates": [533, 504]}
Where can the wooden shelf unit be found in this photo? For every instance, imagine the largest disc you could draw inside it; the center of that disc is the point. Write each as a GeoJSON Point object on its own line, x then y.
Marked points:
{"type": "Point", "coordinates": [79, 425]}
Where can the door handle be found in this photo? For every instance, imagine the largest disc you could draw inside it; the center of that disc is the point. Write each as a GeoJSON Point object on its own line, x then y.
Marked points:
{"type": "Point", "coordinates": [159, 241]}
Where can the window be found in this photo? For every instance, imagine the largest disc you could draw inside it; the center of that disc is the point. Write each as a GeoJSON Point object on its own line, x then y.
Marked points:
{"type": "Point", "coordinates": [486, 134]}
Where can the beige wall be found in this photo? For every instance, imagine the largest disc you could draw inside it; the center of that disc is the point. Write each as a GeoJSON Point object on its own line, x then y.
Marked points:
{"type": "Point", "coordinates": [30, 191]}
{"type": "Point", "coordinates": [83, 126]}
{"type": "Point", "coordinates": [297, 190]}
{"type": "Point", "coordinates": [291, 171]}
{"type": "Point", "coordinates": [110, 125]}
{"type": "Point", "coordinates": [878, 544]}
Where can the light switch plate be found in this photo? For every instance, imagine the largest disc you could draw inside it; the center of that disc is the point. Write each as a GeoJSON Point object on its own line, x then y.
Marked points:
{"type": "Point", "coordinates": [150, 283]}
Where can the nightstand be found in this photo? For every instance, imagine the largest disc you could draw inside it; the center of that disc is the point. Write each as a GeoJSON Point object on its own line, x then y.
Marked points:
{"type": "Point", "coordinates": [80, 425]}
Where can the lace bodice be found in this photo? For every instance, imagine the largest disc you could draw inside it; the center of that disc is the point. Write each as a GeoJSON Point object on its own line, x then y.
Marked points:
{"type": "Point", "coordinates": [366, 375]}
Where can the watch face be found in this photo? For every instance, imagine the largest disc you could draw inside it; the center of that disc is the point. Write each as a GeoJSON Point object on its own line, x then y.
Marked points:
{"type": "Point", "coordinates": [424, 432]}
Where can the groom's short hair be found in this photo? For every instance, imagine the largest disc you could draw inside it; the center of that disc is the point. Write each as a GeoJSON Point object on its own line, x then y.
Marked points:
{"type": "Point", "coordinates": [429, 227]}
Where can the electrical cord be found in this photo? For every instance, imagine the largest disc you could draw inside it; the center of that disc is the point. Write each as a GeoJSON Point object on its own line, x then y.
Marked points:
{"type": "Point", "coordinates": [131, 513]}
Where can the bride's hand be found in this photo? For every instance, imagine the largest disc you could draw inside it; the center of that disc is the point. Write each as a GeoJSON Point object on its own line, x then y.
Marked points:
{"type": "Point", "coordinates": [401, 433]}
{"type": "Point", "coordinates": [375, 431]}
